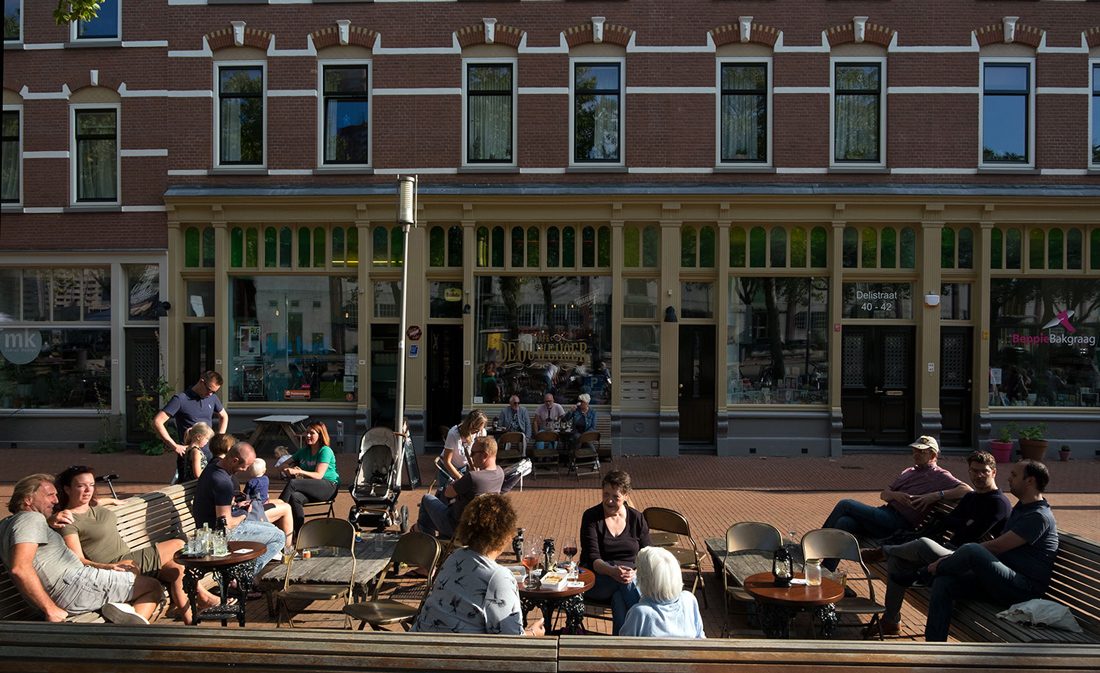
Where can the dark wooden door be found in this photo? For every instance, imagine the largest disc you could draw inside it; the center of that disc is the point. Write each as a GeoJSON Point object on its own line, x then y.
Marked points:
{"type": "Point", "coordinates": [696, 385]}
{"type": "Point", "coordinates": [198, 352]}
{"type": "Point", "coordinates": [955, 385]}
{"type": "Point", "coordinates": [444, 379]}
{"type": "Point", "coordinates": [142, 367]}
{"type": "Point", "coordinates": [877, 393]}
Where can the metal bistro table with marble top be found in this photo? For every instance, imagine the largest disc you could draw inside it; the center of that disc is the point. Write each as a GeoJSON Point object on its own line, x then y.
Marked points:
{"type": "Point", "coordinates": [372, 553]}
{"type": "Point", "coordinates": [569, 600]}
{"type": "Point", "coordinates": [237, 566]}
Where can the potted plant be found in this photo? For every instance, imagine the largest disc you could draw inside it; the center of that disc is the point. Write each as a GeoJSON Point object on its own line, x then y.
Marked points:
{"type": "Point", "coordinates": [1001, 448]}
{"type": "Point", "coordinates": [1063, 453]}
{"type": "Point", "coordinates": [1033, 443]}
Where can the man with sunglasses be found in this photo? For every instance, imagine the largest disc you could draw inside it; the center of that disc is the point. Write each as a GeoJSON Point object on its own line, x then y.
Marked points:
{"type": "Point", "coordinates": [441, 515]}
{"type": "Point", "coordinates": [199, 403]}
{"type": "Point", "coordinates": [913, 491]}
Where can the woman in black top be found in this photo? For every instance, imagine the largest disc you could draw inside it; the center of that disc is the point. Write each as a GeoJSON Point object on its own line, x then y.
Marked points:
{"type": "Point", "coordinates": [611, 536]}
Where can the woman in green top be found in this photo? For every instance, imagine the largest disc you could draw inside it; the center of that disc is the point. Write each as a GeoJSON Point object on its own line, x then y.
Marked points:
{"type": "Point", "coordinates": [315, 469]}
{"type": "Point", "coordinates": [93, 536]}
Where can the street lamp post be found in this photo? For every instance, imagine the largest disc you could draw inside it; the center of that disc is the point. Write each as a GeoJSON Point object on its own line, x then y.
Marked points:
{"type": "Point", "coordinates": [406, 217]}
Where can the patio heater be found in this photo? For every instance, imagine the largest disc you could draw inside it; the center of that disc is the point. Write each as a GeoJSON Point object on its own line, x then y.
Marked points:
{"type": "Point", "coordinates": [406, 217]}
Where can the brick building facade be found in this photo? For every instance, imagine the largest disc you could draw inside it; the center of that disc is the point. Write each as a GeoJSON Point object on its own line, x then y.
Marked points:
{"type": "Point", "coordinates": [867, 222]}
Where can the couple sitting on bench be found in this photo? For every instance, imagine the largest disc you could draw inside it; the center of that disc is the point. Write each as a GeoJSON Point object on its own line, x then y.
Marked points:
{"type": "Point", "coordinates": [1012, 567]}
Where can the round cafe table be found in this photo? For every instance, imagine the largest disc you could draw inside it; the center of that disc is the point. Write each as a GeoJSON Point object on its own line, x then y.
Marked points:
{"type": "Point", "coordinates": [569, 600]}
{"type": "Point", "coordinates": [778, 605]}
{"type": "Point", "coordinates": [237, 565]}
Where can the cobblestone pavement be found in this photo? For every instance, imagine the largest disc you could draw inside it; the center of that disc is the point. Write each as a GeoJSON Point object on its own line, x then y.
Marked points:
{"type": "Point", "coordinates": [792, 493]}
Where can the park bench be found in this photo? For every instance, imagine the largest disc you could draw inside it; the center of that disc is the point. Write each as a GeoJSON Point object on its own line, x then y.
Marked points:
{"type": "Point", "coordinates": [142, 520]}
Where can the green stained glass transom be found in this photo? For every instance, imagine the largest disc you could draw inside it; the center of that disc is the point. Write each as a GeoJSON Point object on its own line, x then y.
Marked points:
{"type": "Point", "coordinates": [532, 246]}
{"type": "Point", "coordinates": [397, 247]}
{"type": "Point", "coordinates": [1073, 249]}
{"type": "Point", "coordinates": [779, 247]}
{"type": "Point", "coordinates": [966, 248]}
{"type": "Point", "coordinates": [651, 246]}
{"type": "Point", "coordinates": [271, 247]}
{"type": "Point", "coordinates": [208, 248]}
{"type": "Point", "coordinates": [1055, 249]}
{"type": "Point", "coordinates": [236, 247]}
{"type": "Point", "coordinates": [380, 247]}
{"type": "Point", "coordinates": [819, 248]}
{"type": "Point", "coordinates": [798, 248]}
{"type": "Point", "coordinates": [353, 246]}
{"type": "Point", "coordinates": [908, 248]}
{"type": "Point", "coordinates": [688, 245]}
{"type": "Point", "coordinates": [251, 247]}
{"type": "Point", "coordinates": [517, 246]}
{"type": "Point", "coordinates": [1014, 252]}
{"type": "Point", "coordinates": [588, 247]}
{"type": "Point", "coordinates": [319, 247]}
{"type": "Point", "coordinates": [191, 251]}
{"type": "Point", "coordinates": [1094, 249]}
{"type": "Point", "coordinates": [1035, 249]}
{"type": "Point", "coordinates": [706, 247]}
{"type": "Point", "coordinates": [851, 248]}
{"type": "Point", "coordinates": [996, 250]}
{"type": "Point", "coordinates": [632, 247]}
{"type": "Point", "coordinates": [437, 247]}
{"type": "Point", "coordinates": [889, 254]}
{"type": "Point", "coordinates": [947, 248]}
{"type": "Point", "coordinates": [338, 254]}
{"type": "Point", "coordinates": [603, 247]}
{"type": "Point", "coordinates": [286, 248]}
{"type": "Point", "coordinates": [568, 247]}
{"type": "Point", "coordinates": [758, 248]}
{"type": "Point", "coordinates": [868, 247]}
{"type": "Point", "coordinates": [737, 247]}
{"type": "Point", "coordinates": [553, 247]}
{"type": "Point", "coordinates": [454, 246]}
{"type": "Point", "coordinates": [303, 248]}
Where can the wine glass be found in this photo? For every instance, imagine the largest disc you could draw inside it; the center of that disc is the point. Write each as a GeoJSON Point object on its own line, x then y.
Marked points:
{"type": "Point", "coordinates": [570, 549]}
{"type": "Point", "coordinates": [530, 561]}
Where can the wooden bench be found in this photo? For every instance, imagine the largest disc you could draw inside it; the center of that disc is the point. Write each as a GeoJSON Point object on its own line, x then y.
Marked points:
{"type": "Point", "coordinates": [142, 520]}
{"type": "Point", "coordinates": [64, 648]}
{"type": "Point", "coordinates": [579, 654]}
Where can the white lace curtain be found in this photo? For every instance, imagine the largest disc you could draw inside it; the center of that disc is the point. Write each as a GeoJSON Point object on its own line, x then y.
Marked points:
{"type": "Point", "coordinates": [11, 171]}
{"type": "Point", "coordinates": [97, 156]}
{"type": "Point", "coordinates": [490, 132]}
{"type": "Point", "coordinates": [740, 130]}
{"type": "Point", "coordinates": [230, 142]}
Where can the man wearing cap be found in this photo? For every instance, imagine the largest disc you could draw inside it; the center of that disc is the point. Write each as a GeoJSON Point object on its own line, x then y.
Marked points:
{"type": "Point", "coordinates": [915, 489]}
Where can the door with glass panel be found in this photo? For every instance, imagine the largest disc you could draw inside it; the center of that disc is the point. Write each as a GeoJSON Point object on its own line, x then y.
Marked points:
{"type": "Point", "coordinates": [955, 383]}
{"type": "Point", "coordinates": [877, 392]}
{"type": "Point", "coordinates": [142, 372]}
{"type": "Point", "coordinates": [696, 385]}
{"type": "Point", "coordinates": [444, 407]}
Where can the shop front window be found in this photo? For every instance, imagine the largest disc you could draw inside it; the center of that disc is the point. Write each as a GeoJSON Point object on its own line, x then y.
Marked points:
{"type": "Point", "coordinates": [293, 338]}
{"type": "Point", "coordinates": [55, 368]}
{"type": "Point", "coordinates": [778, 341]}
{"type": "Point", "coordinates": [540, 334]}
{"type": "Point", "coordinates": [1044, 335]}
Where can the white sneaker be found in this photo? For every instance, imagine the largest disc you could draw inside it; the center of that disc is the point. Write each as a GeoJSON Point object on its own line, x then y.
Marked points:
{"type": "Point", "coordinates": [122, 613]}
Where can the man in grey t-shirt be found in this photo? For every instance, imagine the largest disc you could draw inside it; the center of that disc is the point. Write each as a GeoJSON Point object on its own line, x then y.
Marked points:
{"type": "Point", "coordinates": [437, 516]}
{"type": "Point", "coordinates": [49, 574]}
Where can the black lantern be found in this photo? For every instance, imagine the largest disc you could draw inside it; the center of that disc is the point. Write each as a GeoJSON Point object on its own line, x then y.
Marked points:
{"type": "Point", "coordinates": [517, 545]}
{"type": "Point", "coordinates": [548, 553]}
{"type": "Point", "coordinates": [782, 567]}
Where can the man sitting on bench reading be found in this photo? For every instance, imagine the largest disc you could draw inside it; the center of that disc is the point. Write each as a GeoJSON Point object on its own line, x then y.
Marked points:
{"type": "Point", "coordinates": [49, 574]}
{"type": "Point", "coordinates": [1011, 568]}
{"type": "Point", "coordinates": [915, 489]}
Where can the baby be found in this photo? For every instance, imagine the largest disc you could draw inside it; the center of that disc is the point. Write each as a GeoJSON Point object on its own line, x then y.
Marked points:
{"type": "Point", "coordinates": [256, 490]}
{"type": "Point", "coordinates": [198, 453]}
{"type": "Point", "coordinates": [258, 483]}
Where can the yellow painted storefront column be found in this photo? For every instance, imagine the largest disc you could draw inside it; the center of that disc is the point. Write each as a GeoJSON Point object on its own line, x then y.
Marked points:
{"type": "Point", "coordinates": [174, 287]}
{"type": "Point", "coordinates": [417, 316]}
{"type": "Point", "coordinates": [366, 308]}
{"type": "Point", "coordinates": [469, 244]}
{"type": "Point", "coordinates": [668, 424]}
{"type": "Point", "coordinates": [836, 336]}
{"type": "Point", "coordinates": [929, 420]}
{"type": "Point", "coordinates": [617, 301]}
{"type": "Point", "coordinates": [722, 441]}
{"type": "Point", "coordinates": [982, 288]}
{"type": "Point", "coordinates": [221, 296]}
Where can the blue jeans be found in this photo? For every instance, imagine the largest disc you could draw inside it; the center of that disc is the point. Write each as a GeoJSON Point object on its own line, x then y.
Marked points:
{"type": "Point", "coordinates": [263, 532]}
{"type": "Point", "coordinates": [622, 597]}
{"type": "Point", "coordinates": [902, 563]}
{"type": "Point", "coordinates": [972, 572]}
{"type": "Point", "coordinates": [435, 517]}
{"type": "Point", "coordinates": [860, 519]}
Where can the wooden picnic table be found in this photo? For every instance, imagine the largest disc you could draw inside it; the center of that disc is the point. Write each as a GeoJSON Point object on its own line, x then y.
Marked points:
{"type": "Point", "coordinates": [372, 553]}
{"type": "Point", "coordinates": [279, 425]}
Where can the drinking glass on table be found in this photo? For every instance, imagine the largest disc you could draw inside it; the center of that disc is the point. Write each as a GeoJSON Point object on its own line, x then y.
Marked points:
{"type": "Point", "coordinates": [530, 561]}
{"type": "Point", "coordinates": [570, 550]}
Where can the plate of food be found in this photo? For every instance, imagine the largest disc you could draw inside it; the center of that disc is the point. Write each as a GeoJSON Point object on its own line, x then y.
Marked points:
{"type": "Point", "coordinates": [519, 572]}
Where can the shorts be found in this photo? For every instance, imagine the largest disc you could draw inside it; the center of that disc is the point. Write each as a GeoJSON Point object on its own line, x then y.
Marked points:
{"type": "Point", "coordinates": [147, 560]}
{"type": "Point", "coordinates": [91, 588]}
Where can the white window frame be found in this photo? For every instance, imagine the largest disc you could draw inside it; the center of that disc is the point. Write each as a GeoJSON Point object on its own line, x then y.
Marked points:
{"type": "Point", "coordinates": [514, 62]}
{"type": "Point", "coordinates": [73, 37]}
{"type": "Point", "coordinates": [21, 30]}
{"type": "Point", "coordinates": [1007, 60]}
{"type": "Point", "coordinates": [573, 61]}
{"type": "Point", "coordinates": [346, 62]}
{"type": "Point", "coordinates": [18, 203]}
{"type": "Point", "coordinates": [74, 158]}
{"type": "Point", "coordinates": [766, 61]}
{"type": "Point", "coordinates": [883, 112]}
{"type": "Point", "coordinates": [1094, 79]}
{"type": "Point", "coordinates": [217, 121]}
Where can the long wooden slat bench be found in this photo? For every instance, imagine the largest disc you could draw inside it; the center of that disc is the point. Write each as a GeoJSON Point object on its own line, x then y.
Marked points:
{"type": "Point", "coordinates": [142, 520]}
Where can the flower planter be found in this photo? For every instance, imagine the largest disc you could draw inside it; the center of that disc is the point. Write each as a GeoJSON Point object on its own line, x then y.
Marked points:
{"type": "Point", "coordinates": [1002, 451]}
{"type": "Point", "coordinates": [1063, 455]}
{"type": "Point", "coordinates": [1033, 449]}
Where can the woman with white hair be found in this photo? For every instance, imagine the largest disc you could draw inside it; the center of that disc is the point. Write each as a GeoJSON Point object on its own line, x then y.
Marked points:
{"type": "Point", "coordinates": [665, 610]}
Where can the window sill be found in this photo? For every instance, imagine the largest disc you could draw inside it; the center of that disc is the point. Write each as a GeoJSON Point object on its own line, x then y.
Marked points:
{"type": "Point", "coordinates": [11, 208]}
{"type": "Point", "coordinates": [1007, 170]}
{"type": "Point", "coordinates": [13, 45]}
{"type": "Point", "coordinates": [746, 168]}
{"type": "Point", "coordinates": [596, 169]}
{"type": "Point", "coordinates": [89, 44]}
{"type": "Point", "coordinates": [94, 208]}
{"type": "Point", "coordinates": [343, 170]}
{"type": "Point", "coordinates": [859, 169]}
{"type": "Point", "coordinates": [488, 169]}
{"type": "Point", "coordinates": [243, 170]}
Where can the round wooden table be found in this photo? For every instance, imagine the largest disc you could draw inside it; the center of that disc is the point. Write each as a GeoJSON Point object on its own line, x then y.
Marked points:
{"type": "Point", "coordinates": [778, 605]}
{"type": "Point", "coordinates": [236, 565]}
{"type": "Point", "coordinates": [569, 600]}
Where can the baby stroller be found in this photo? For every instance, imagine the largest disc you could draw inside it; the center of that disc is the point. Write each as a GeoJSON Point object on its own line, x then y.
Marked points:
{"type": "Point", "coordinates": [377, 483]}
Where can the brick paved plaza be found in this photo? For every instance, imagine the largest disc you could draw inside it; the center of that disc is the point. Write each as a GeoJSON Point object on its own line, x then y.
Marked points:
{"type": "Point", "coordinates": [791, 493]}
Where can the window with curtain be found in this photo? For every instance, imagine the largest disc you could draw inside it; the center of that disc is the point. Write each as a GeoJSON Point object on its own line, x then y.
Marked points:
{"type": "Point", "coordinates": [744, 112]}
{"type": "Point", "coordinates": [1006, 90]}
{"type": "Point", "coordinates": [857, 112]}
{"type": "Point", "coordinates": [1096, 114]}
{"type": "Point", "coordinates": [11, 152]}
{"type": "Point", "coordinates": [241, 115]}
{"type": "Point", "coordinates": [596, 97]}
{"type": "Point", "coordinates": [105, 26]}
{"type": "Point", "coordinates": [96, 155]}
{"type": "Point", "coordinates": [13, 20]}
{"type": "Point", "coordinates": [489, 113]}
{"type": "Point", "coordinates": [347, 114]}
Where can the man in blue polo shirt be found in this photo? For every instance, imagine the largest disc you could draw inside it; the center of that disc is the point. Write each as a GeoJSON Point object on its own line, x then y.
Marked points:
{"type": "Point", "coordinates": [196, 404]}
{"type": "Point", "coordinates": [214, 498]}
{"type": "Point", "coordinates": [1012, 568]}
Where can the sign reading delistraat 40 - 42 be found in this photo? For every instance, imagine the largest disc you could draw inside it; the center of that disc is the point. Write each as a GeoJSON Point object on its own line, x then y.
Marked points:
{"type": "Point", "coordinates": [878, 300]}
